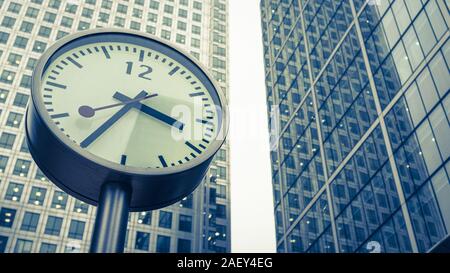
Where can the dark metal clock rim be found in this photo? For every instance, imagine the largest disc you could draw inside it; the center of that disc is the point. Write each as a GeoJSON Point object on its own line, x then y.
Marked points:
{"type": "Point", "coordinates": [48, 122]}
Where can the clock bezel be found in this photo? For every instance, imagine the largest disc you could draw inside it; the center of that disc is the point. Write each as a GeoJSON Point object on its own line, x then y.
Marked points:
{"type": "Point", "coordinates": [201, 73]}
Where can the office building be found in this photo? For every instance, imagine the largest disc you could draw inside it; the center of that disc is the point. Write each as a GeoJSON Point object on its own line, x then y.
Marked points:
{"type": "Point", "coordinates": [36, 216]}
{"type": "Point", "coordinates": [359, 91]}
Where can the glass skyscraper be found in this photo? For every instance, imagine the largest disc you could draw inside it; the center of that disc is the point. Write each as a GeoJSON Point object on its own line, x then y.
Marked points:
{"type": "Point", "coordinates": [359, 91]}
{"type": "Point", "coordinates": [36, 216]}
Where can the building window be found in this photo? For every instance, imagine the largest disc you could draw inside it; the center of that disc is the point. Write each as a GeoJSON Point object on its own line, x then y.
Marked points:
{"type": "Point", "coordinates": [83, 25]}
{"type": "Point", "coordinates": [14, 59]}
{"type": "Point", "coordinates": [119, 22]}
{"type": "Point", "coordinates": [14, 7]}
{"type": "Point", "coordinates": [80, 207]}
{"type": "Point", "coordinates": [196, 17]}
{"type": "Point", "coordinates": [186, 202]}
{"type": "Point", "coordinates": [59, 200]}
{"type": "Point", "coordinates": [163, 244]}
{"type": "Point", "coordinates": [3, 95]}
{"type": "Point", "coordinates": [87, 13]}
{"type": "Point", "coordinates": [8, 22]}
{"type": "Point", "coordinates": [142, 240]}
{"type": "Point", "coordinates": [196, 30]}
{"type": "Point", "coordinates": [122, 8]}
{"type": "Point", "coordinates": [21, 42]}
{"type": "Point", "coordinates": [103, 17]}
{"type": "Point", "coordinates": [37, 196]}
{"type": "Point", "coordinates": [3, 37]}
{"type": "Point", "coordinates": [221, 191]}
{"type": "Point", "coordinates": [30, 221]}
{"type": "Point", "coordinates": [184, 246]}
{"type": "Point", "coordinates": [185, 223]}
{"type": "Point", "coordinates": [3, 242]}
{"type": "Point", "coordinates": [106, 4]}
{"type": "Point", "coordinates": [7, 76]}
{"type": "Point", "coordinates": [221, 212]}
{"type": "Point", "coordinates": [7, 140]}
{"type": "Point", "coordinates": [145, 218]}
{"type": "Point", "coordinates": [23, 246]}
{"type": "Point", "coordinates": [22, 167]}
{"type": "Point", "coordinates": [49, 17]}
{"type": "Point", "coordinates": [53, 226]}
{"type": "Point", "coordinates": [182, 13]}
{"type": "Point", "coordinates": [61, 34]}
{"type": "Point", "coordinates": [154, 4]}
{"type": "Point", "coordinates": [168, 9]}
{"type": "Point", "coordinates": [47, 248]}
{"type": "Point", "coordinates": [39, 46]}
{"type": "Point", "coordinates": [21, 99]}
{"type": "Point", "coordinates": [165, 219]}
{"type": "Point", "coordinates": [44, 31]}
{"type": "Point", "coordinates": [7, 217]}
{"type": "Point", "coordinates": [150, 29]}
{"type": "Point", "coordinates": [165, 34]}
{"type": "Point", "coordinates": [71, 8]}
{"type": "Point", "coordinates": [181, 39]}
{"type": "Point", "coordinates": [76, 229]}
{"type": "Point", "coordinates": [26, 27]}
{"type": "Point", "coordinates": [66, 22]}
{"type": "Point", "coordinates": [24, 147]}
{"type": "Point", "coordinates": [54, 4]}
{"type": "Point", "coordinates": [3, 163]}
{"type": "Point", "coordinates": [32, 12]}
{"type": "Point", "coordinates": [135, 25]}
{"type": "Point", "coordinates": [14, 191]}
{"type": "Point", "coordinates": [167, 21]}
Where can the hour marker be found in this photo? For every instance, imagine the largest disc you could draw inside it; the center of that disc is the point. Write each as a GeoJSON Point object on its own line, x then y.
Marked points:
{"type": "Point", "coordinates": [119, 48]}
{"type": "Point", "coordinates": [77, 64]}
{"type": "Point", "coordinates": [197, 94]}
{"type": "Point", "coordinates": [48, 89]}
{"type": "Point", "coordinates": [111, 48]}
{"type": "Point", "coordinates": [205, 140]}
{"type": "Point", "coordinates": [89, 50]}
{"type": "Point", "coordinates": [193, 147]}
{"type": "Point", "coordinates": [180, 162]}
{"type": "Point", "coordinates": [56, 72]}
{"type": "Point", "coordinates": [54, 84]}
{"type": "Point", "coordinates": [123, 159]}
{"type": "Point", "coordinates": [163, 161]}
{"type": "Point", "coordinates": [156, 57]}
{"type": "Point", "coordinates": [96, 49]}
{"type": "Point", "coordinates": [188, 77]}
{"type": "Point", "coordinates": [194, 82]}
{"type": "Point", "coordinates": [51, 78]}
{"type": "Point", "coordinates": [48, 96]}
{"type": "Point", "coordinates": [105, 51]}
{"type": "Point", "coordinates": [198, 88]}
{"type": "Point", "coordinates": [186, 158]}
{"type": "Point", "coordinates": [202, 121]}
{"type": "Point", "coordinates": [173, 71]}
{"type": "Point", "coordinates": [60, 67]}
{"type": "Point", "coordinates": [193, 155]}
{"type": "Point", "coordinates": [48, 103]}
{"type": "Point", "coordinates": [171, 63]}
{"type": "Point", "coordinates": [75, 55]}
{"type": "Point", "coordinates": [202, 146]}
{"type": "Point", "coordinates": [141, 55]}
{"type": "Point", "coordinates": [82, 53]}
{"type": "Point", "coordinates": [64, 62]}
{"type": "Point", "coordinates": [134, 49]}
{"type": "Point", "coordinates": [164, 60]}
{"type": "Point", "coordinates": [127, 48]}
{"type": "Point", "coordinates": [62, 115]}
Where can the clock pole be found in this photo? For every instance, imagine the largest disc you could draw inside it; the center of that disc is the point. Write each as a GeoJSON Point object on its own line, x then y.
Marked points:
{"type": "Point", "coordinates": [112, 217]}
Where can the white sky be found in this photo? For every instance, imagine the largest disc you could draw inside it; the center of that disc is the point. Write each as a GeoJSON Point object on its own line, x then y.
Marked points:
{"type": "Point", "coordinates": [252, 220]}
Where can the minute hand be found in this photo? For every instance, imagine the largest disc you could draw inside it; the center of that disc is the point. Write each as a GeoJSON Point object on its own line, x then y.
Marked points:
{"type": "Point", "coordinates": [150, 111]}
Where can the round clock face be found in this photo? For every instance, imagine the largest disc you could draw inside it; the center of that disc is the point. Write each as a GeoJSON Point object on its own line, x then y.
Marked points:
{"type": "Point", "coordinates": [131, 103]}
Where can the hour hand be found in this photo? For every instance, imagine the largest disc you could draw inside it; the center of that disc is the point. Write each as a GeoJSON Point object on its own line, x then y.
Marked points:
{"type": "Point", "coordinates": [150, 111]}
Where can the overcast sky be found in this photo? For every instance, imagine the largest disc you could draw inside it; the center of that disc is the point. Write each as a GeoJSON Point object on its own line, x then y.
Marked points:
{"type": "Point", "coordinates": [252, 220]}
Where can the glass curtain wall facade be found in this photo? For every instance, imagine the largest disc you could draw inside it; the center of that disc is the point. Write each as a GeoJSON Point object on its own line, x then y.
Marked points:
{"type": "Point", "coordinates": [36, 216]}
{"type": "Point", "coordinates": [361, 91]}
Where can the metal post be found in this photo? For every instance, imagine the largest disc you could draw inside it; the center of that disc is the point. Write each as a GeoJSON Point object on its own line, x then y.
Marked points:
{"type": "Point", "coordinates": [112, 216]}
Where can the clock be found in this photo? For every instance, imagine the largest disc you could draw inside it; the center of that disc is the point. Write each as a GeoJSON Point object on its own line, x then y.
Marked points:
{"type": "Point", "coordinates": [122, 106]}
